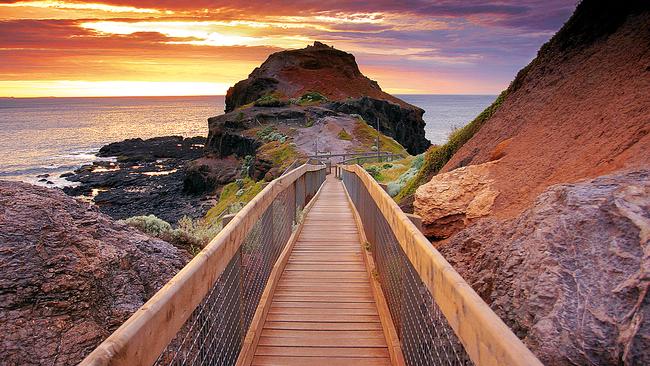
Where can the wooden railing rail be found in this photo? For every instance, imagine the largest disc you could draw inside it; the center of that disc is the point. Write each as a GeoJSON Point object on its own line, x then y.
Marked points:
{"type": "Point", "coordinates": [484, 336]}
{"type": "Point", "coordinates": [146, 334]}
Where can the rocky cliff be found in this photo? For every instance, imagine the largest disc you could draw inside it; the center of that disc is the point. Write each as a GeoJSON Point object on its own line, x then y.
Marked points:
{"type": "Point", "coordinates": [569, 274]}
{"type": "Point", "coordinates": [541, 203]}
{"type": "Point", "coordinates": [70, 275]}
{"type": "Point", "coordinates": [333, 74]}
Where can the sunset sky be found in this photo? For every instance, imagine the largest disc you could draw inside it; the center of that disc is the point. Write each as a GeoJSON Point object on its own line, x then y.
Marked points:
{"type": "Point", "coordinates": [201, 47]}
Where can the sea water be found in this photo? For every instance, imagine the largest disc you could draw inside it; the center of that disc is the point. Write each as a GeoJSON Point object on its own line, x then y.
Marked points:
{"type": "Point", "coordinates": [57, 135]}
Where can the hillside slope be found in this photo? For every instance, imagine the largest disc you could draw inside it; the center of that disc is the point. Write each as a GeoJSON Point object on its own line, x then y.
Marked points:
{"type": "Point", "coordinates": [542, 203]}
{"type": "Point", "coordinates": [581, 109]}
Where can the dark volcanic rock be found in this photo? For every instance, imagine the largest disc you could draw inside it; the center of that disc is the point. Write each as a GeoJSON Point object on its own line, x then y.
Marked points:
{"type": "Point", "coordinates": [570, 275]}
{"type": "Point", "coordinates": [148, 178]}
{"type": "Point", "coordinates": [70, 275]}
{"type": "Point", "coordinates": [155, 148]}
{"type": "Point", "coordinates": [207, 174]}
{"type": "Point", "coordinates": [405, 125]}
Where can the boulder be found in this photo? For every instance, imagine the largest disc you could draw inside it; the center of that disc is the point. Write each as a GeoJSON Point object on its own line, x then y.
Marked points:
{"type": "Point", "coordinates": [70, 275]}
{"type": "Point", "coordinates": [450, 201]}
{"type": "Point", "coordinates": [206, 174]}
{"type": "Point", "coordinates": [569, 275]}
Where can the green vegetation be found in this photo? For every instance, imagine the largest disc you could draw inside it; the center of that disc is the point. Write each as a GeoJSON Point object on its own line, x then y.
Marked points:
{"type": "Point", "coordinates": [233, 197]}
{"type": "Point", "coordinates": [190, 235]}
{"type": "Point", "coordinates": [270, 100]}
{"type": "Point", "coordinates": [281, 154]}
{"type": "Point", "coordinates": [310, 122]}
{"type": "Point", "coordinates": [375, 172]}
{"type": "Point", "coordinates": [344, 135]}
{"type": "Point", "coordinates": [269, 133]}
{"type": "Point", "coordinates": [310, 98]}
{"type": "Point", "coordinates": [367, 136]}
{"type": "Point", "coordinates": [437, 156]}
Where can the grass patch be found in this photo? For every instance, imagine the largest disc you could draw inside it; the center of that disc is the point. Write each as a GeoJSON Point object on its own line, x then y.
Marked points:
{"type": "Point", "coordinates": [270, 100]}
{"type": "Point", "coordinates": [233, 197]}
{"type": "Point", "coordinates": [282, 154]}
{"type": "Point", "coordinates": [310, 98]}
{"type": "Point", "coordinates": [269, 133]}
{"type": "Point", "coordinates": [437, 156]}
{"type": "Point", "coordinates": [392, 170]}
{"type": "Point", "coordinates": [367, 136]}
{"type": "Point", "coordinates": [344, 135]}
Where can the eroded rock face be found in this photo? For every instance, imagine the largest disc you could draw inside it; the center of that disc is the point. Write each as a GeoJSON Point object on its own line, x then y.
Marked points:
{"type": "Point", "coordinates": [334, 74]}
{"type": "Point", "coordinates": [70, 275]}
{"type": "Point", "coordinates": [451, 200]}
{"type": "Point", "coordinates": [405, 125]}
{"type": "Point", "coordinates": [570, 275]}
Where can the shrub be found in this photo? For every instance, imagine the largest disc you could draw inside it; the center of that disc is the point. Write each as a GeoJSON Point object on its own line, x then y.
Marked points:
{"type": "Point", "coordinates": [150, 224]}
{"type": "Point", "coordinates": [344, 135]}
{"type": "Point", "coordinates": [270, 100]}
{"type": "Point", "coordinates": [374, 171]}
{"type": "Point", "coordinates": [269, 133]}
{"type": "Point", "coordinates": [387, 166]}
{"type": "Point", "coordinates": [311, 98]}
{"type": "Point", "coordinates": [190, 235]}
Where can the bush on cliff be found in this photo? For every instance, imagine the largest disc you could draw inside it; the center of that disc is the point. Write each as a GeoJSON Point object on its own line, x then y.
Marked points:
{"type": "Point", "coordinates": [190, 235]}
{"type": "Point", "coordinates": [270, 100]}
{"type": "Point", "coordinates": [437, 156]}
{"type": "Point", "coordinates": [311, 98]}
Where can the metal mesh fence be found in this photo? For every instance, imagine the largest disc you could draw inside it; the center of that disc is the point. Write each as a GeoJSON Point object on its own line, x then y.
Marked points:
{"type": "Point", "coordinates": [424, 333]}
{"type": "Point", "coordinates": [214, 333]}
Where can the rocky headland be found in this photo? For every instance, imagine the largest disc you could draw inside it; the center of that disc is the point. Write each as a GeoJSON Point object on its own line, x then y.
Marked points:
{"type": "Point", "coordinates": [542, 203]}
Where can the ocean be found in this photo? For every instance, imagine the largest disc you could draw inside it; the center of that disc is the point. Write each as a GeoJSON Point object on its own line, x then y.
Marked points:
{"type": "Point", "coordinates": [57, 135]}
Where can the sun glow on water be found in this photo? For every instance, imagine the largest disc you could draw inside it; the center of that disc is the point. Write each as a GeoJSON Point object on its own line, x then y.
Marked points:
{"type": "Point", "coordinates": [65, 88]}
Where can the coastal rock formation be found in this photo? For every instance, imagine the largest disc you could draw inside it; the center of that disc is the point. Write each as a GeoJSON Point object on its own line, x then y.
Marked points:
{"type": "Point", "coordinates": [292, 73]}
{"type": "Point", "coordinates": [174, 147]}
{"type": "Point", "coordinates": [581, 109]}
{"type": "Point", "coordinates": [451, 200]}
{"type": "Point", "coordinates": [569, 275]}
{"type": "Point", "coordinates": [70, 275]}
{"type": "Point", "coordinates": [335, 75]}
{"type": "Point", "coordinates": [148, 177]}
{"type": "Point", "coordinates": [405, 125]}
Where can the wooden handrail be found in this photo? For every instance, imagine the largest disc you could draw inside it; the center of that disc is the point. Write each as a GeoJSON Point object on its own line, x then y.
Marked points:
{"type": "Point", "coordinates": [143, 337]}
{"type": "Point", "coordinates": [485, 337]}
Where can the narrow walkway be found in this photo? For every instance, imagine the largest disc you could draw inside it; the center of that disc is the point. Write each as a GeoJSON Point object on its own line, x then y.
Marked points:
{"type": "Point", "coordinates": [323, 311]}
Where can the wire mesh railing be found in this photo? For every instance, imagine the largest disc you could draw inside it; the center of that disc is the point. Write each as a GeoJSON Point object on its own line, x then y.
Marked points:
{"type": "Point", "coordinates": [202, 315]}
{"type": "Point", "coordinates": [439, 319]}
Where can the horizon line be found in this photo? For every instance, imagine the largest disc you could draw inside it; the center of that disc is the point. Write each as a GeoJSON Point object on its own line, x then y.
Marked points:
{"type": "Point", "coordinates": [200, 95]}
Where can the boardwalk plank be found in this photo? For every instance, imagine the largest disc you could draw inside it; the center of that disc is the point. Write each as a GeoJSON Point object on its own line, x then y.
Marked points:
{"type": "Point", "coordinates": [323, 310]}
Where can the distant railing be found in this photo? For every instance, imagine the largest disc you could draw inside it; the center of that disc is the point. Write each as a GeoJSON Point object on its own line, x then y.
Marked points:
{"type": "Point", "coordinates": [439, 319]}
{"type": "Point", "coordinates": [201, 316]}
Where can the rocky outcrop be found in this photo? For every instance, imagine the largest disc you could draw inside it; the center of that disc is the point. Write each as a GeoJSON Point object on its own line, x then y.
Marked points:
{"type": "Point", "coordinates": [450, 201]}
{"type": "Point", "coordinates": [70, 275]}
{"type": "Point", "coordinates": [165, 147]}
{"type": "Point", "coordinates": [579, 110]}
{"type": "Point", "coordinates": [292, 73]}
{"type": "Point", "coordinates": [335, 75]}
{"type": "Point", "coordinates": [569, 275]}
{"type": "Point", "coordinates": [405, 125]}
{"type": "Point", "coordinates": [148, 177]}
{"type": "Point", "coordinates": [207, 174]}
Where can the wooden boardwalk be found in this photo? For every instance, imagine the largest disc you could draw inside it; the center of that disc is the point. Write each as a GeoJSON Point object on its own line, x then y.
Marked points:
{"type": "Point", "coordinates": [323, 311]}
